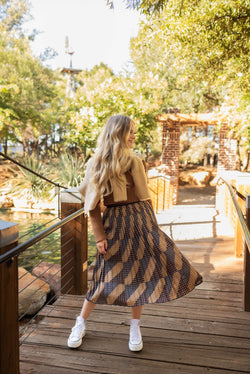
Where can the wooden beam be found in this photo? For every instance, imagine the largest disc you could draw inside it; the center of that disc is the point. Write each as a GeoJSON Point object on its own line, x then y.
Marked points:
{"type": "Point", "coordinates": [247, 262]}
{"type": "Point", "coordinates": [9, 336]}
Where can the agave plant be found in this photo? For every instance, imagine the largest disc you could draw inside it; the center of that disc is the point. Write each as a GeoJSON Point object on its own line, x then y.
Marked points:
{"type": "Point", "coordinates": [29, 186]}
{"type": "Point", "coordinates": [70, 170]}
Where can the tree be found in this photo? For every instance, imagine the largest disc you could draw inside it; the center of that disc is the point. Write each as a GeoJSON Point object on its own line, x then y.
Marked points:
{"type": "Point", "coordinates": [207, 40]}
{"type": "Point", "coordinates": [12, 15]}
{"type": "Point", "coordinates": [29, 91]}
{"type": "Point", "coordinates": [102, 94]}
{"type": "Point", "coordinates": [200, 52]}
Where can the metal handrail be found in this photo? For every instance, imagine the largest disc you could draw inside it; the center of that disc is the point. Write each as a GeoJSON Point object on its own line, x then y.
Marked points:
{"type": "Point", "coordinates": [30, 170]}
{"type": "Point", "coordinates": [37, 174]}
{"type": "Point", "coordinates": [22, 247]}
{"type": "Point", "coordinates": [242, 220]}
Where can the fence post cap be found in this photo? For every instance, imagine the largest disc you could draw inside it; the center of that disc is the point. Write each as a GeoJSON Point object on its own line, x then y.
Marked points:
{"type": "Point", "coordinates": [248, 201]}
{"type": "Point", "coordinates": [71, 195]}
{"type": "Point", "coordinates": [9, 233]}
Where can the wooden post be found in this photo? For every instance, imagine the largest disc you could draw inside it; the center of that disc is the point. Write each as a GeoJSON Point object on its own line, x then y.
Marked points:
{"type": "Point", "coordinates": [9, 336]}
{"type": "Point", "coordinates": [247, 262]}
{"type": "Point", "coordinates": [164, 195]}
{"type": "Point", "coordinates": [239, 241]}
{"type": "Point", "coordinates": [157, 194]}
{"type": "Point", "coordinates": [74, 246]}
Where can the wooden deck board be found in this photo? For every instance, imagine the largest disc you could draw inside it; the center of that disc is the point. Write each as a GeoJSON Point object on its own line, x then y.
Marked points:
{"type": "Point", "coordinates": [204, 332]}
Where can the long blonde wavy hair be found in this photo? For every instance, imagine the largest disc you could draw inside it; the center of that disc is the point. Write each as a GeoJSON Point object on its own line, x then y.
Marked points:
{"type": "Point", "coordinates": [113, 156]}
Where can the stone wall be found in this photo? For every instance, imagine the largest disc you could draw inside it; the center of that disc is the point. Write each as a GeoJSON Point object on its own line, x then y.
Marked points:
{"type": "Point", "coordinates": [170, 154]}
{"type": "Point", "coordinates": [227, 151]}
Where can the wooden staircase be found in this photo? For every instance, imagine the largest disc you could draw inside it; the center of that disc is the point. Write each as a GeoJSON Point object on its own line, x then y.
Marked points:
{"type": "Point", "coordinates": [204, 332]}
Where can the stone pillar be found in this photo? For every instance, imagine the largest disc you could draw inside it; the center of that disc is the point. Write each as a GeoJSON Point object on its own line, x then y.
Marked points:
{"type": "Point", "coordinates": [9, 336]}
{"type": "Point", "coordinates": [227, 155]}
{"type": "Point", "coordinates": [170, 153]}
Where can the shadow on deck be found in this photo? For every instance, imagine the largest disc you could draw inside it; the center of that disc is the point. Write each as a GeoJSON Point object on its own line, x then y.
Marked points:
{"type": "Point", "coordinates": [204, 332]}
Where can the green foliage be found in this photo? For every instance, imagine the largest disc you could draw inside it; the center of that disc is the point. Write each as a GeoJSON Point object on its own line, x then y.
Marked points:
{"type": "Point", "coordinates": [13, 13]}
{"type": "Point", "coordinates": [29, 93]}
{"type": "Point", "coordinates": [192, 55]}
{"type": "Point", "coordinates": [27, 185]}
{"type": "Point", "coordinates": [102, 94]}
{"type": "Point", "coordinates": [69, 171]}
{"type": "Point", "coordinates": [199, 51]}
{"type": "Point", "coordinates": [145, 6]}
{"type": "Point", "coordinates": [195, 151]}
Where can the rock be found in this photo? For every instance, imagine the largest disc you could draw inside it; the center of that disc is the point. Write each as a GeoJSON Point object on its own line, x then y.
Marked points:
{"type": "Point", "coordinates": [201, 178]}
{"type": "Point", "coordinates": [7, 203]}
{"type": "Point", "coordinates": [195, 177]}
{"type": "Point", "coordinates": [32, 292]}
{"type": "Point", "coordinates": [185, 178]}
{"type": "Point", "coordinates": [214, 181]}
{"type": "Point", "coordinates": [51, 274]}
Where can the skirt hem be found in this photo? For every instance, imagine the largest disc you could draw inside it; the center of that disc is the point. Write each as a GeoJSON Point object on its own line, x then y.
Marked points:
{"type": "Point", "coordinates": [182, 294]}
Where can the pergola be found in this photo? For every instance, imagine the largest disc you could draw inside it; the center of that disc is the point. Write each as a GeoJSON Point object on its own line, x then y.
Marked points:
{"type": "Point", "coordinates": [171, 128]}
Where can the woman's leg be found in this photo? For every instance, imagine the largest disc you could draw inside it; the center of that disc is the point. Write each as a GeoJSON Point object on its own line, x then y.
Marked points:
{"type": "Point", "coordinates": [78, 331]}
{"type": "Point", "coordinates": [86, 309]}
{"type": "Point", "coordinates": [136, 312]}
{"type": "Point", "coordinates": [135, 338]}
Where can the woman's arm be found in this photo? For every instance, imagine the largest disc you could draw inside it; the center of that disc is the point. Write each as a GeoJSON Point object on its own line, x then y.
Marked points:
{"type": "Point", "coordinates": [98, 229]}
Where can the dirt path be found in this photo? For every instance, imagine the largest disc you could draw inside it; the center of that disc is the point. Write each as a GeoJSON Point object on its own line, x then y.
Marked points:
{"type": "Point", "coordinates": [195, 195]}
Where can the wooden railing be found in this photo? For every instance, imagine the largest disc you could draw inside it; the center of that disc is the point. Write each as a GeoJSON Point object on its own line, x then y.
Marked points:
{"type": "Point", "coordinates": [161, 191]}
{"type": "Point", "coordinates": [74, 252]}
{"type": "Point", "coordinates": [240, 183]}
{"type": "Point", "coordinates": [233, 201]}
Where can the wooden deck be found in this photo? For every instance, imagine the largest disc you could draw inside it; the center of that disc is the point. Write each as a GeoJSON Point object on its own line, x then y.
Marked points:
{"type": "Point", "coordinates": [203, 332]}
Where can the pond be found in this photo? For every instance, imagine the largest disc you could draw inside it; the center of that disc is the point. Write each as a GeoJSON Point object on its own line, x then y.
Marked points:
{"type": "Point", "coordinates": [48, 249]}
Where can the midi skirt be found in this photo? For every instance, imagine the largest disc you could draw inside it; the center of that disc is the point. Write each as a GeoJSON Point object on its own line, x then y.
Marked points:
{"type": "Point", "coordinates": [142, 264]}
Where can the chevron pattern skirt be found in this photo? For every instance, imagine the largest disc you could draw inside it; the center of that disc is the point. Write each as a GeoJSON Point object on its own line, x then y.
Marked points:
{"type": "Point", "coordinates": [142, 264]}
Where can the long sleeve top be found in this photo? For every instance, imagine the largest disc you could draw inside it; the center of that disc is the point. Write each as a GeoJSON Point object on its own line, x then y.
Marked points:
{"type": "Point", "coordinates": [134, 189]}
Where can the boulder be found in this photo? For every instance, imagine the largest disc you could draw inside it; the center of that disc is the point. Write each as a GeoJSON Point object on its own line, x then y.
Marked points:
{"type": "Point", "coordinates": [214, 181]}
{"type": "Point", "coordinates": [51, 274]}
{"type": "Point", "coordinates": [195, 177]}
{"type": "Point", "coordinates": [7, 203]}
{"type": "Point", "coordinates": [201, 178]}
{"type": "Point", "coordinates": [32, 292]}
{"type": "Point", "coordinates": [185, 178]}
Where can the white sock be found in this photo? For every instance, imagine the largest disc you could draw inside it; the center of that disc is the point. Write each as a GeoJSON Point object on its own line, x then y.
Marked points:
{"type": "Point", "coordinates": [81, 319]}
{"type": "Point", "coordinates": [134, 322]}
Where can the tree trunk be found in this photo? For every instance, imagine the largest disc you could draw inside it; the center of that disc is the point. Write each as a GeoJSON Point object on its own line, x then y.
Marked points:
{"type": "Point", "coordinates": [46, 146]}
{"type": "Point", "coordinates": [238, 160]}
{"type": "Point", "coordinates": [5, 146]}
{"type": "Point", "coordinates": [211, 161]}
{"type": "Point", "coordinates": [205, 160]}
{"type": "Point", "coordinates": [247, 161]}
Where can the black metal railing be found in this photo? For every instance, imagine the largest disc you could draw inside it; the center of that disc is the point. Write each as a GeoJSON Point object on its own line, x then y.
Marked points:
{"type": "Point", "coordinates": [22, 247]}
{"type": "Point", "coordinates": [67, 271]}
{"type": "Point", "coordinates": [71, 276]}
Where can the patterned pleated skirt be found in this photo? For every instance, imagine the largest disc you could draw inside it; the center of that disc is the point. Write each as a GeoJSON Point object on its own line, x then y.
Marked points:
{"type": "Point", "coordinates": [142, 264]}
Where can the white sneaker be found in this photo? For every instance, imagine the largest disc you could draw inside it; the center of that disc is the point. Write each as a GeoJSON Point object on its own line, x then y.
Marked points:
{"type": "Point", "coordinates": [135, 338]}
{"type": "Point", "coordinates": [77, 333]}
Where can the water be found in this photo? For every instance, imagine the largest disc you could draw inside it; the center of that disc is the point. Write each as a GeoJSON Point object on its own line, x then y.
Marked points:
{"type": "Point", "coordinates": [48, 249]}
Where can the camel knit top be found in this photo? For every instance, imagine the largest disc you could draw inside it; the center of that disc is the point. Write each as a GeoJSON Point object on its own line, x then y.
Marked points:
{"type": "Point", "coordinates": [133, 189]}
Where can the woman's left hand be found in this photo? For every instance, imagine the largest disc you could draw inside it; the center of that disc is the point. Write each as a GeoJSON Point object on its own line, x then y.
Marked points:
{"type": "Point", "coordinates": [102, 246]}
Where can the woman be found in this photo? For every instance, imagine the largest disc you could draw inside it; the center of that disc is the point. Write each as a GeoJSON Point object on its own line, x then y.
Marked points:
{"type": "Point", "coordinates": [136, 262]}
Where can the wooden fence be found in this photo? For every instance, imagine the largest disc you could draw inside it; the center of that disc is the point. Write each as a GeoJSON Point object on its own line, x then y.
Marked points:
{"type": "Point", "coordinates": [161, 190]}
{"type": "Point", "coordinates": [241, 185]}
